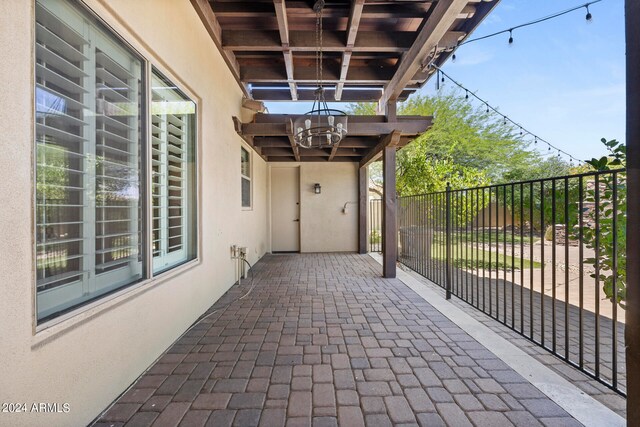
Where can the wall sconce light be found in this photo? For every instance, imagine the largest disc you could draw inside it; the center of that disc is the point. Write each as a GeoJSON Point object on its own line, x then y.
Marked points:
{"type": "Point", "coordinates": [317, 189]}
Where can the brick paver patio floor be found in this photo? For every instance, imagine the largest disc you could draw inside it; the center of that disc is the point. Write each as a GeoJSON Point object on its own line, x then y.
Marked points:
{"type": "Point", "coordinates": [323, 340]}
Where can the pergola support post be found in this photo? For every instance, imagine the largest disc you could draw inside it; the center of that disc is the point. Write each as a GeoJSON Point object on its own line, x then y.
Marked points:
{"type": "Point", "coordinates": [632, 327]}
{"type": "Point", "coordinates": [389, 225]}
{"type": "Point", "coordinates": [363, 202]}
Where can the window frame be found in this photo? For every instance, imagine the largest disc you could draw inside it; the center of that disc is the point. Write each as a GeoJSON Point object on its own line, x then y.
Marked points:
{"type": "Point", "coordinates": [160, 73]}
{"type": "Point", "coordinates": [149, 60]}
{"type": "Point", "coordinates": [248, 178]}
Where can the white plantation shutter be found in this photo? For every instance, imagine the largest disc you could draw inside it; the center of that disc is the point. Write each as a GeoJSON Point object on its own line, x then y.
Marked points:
{"type": "Point", "coordinates": [88, 148]}
{"type": "Point", "coordinates": [173, 183]}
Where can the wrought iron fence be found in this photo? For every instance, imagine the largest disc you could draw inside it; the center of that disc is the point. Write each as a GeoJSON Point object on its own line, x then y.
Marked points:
{"type": "Point", "coordinates": [545, 258]}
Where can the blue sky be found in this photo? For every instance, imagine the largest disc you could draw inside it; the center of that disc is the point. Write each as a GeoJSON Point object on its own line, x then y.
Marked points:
{"type": "Point", "coordinates": [562, 79]}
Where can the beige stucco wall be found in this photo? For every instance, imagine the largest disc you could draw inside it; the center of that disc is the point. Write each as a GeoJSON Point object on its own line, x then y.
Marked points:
{"type": "Point", "coordinates": [91, 357]}
{"type": "Point", "coordinates": [323, 225]}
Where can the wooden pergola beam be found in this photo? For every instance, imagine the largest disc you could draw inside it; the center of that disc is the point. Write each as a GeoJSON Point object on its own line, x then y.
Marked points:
{"type": "Point", "coordinates": [390, 140]}
{"type": "Point", "coordinates": [348, 95]}
{"type": "Point", "coordinates": [413, 127]}
{"type": "Point", "coordinates": [283, 29]}
{"type": "Point", "coordinates": [352, 31]}
{"type": "Point", "coordinates": [389, 213]}
{"type": "Point", "coordinates": [438, 23]}
{"type": "Point", "coordinates": [208, 18]}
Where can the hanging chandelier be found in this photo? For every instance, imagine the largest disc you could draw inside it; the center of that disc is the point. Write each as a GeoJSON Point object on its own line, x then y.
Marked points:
{"type": "Point", "coordinates": [322, 126]}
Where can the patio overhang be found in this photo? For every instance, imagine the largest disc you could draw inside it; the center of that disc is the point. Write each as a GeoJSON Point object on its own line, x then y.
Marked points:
{"type": "Point", "coordinates": [271, 137]}
{"type": "Point", "coordinates": [374, 50]}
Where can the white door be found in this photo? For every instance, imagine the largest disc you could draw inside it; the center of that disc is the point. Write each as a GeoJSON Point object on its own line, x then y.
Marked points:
{"type": "Point", "coordinates": [285, 209]}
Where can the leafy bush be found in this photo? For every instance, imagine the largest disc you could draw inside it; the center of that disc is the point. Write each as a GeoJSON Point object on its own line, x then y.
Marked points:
{"type": "Point", "coordinates": [609, 254]}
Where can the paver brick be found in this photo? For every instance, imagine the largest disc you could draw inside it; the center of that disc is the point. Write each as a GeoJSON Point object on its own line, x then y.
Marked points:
{"type": "Point", "coordinates": [172, 414]}
{"type": "Point", "coordinates": [419, 400]}
{"type": "Point", "coordinates": [378, 420]}
{"type": "Point", "coordinates": [273, 417]}
{"type": "Point", "coordinates": [246, 400]}
{"type": "Point", "coordinates": [300, 404]}
{"type": "Point", "coordinates": [195, 418]}
{"type": "Point", "coordinates": [350, 416]}
{"type": "Point", "coordinates": [322, 374]}
{"type": "Point", "coordinates": [324, 395]}
{"type": "Point", "coordinates": [399, 409]}
{"type": "Point", "coordinates": [211, 401]}
{"type": "Point", "coordinates": [247, 418]}
{"type": "Point", "coordinates": [221, 418]}
{"type": "Point", "coordinates": [142, 419]}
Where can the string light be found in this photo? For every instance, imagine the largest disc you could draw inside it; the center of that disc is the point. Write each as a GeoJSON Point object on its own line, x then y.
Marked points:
{"type": "Point", "coordinates": [505, 119]}
{"type": "Point", "coordinates": [588, 17]}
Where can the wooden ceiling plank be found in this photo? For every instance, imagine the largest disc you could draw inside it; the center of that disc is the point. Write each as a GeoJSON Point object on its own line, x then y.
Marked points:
{"type": "Point", "coordinates": [438, 23]}
{"type": "Point", "coordinates": [392, 139]}
{"type": "Point", "coordinates": [211, 24]}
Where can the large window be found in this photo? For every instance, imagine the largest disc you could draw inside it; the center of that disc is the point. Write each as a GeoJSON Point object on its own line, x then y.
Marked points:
{"type": "Point", "coordinates": [89, 92]}
{"type": "Point", "coordinates": [245, 179]}
{"type": "Point", "coordinates": [172, 174]}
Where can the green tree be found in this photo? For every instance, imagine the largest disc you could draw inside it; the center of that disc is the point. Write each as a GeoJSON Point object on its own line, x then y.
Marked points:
{"type": "Point", "coordinates": [476, 146]}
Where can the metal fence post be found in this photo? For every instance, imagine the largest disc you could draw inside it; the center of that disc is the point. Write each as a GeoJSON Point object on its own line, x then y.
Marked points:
{"type": "Point", "coordinates": [448, 241]}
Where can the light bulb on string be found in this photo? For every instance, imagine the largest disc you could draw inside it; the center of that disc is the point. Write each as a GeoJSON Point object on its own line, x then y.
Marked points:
{"type": "Point", "coordinates": [511, 37]}
{"type": "Point", "coordinates": [453, 58]}
{"type": "Point", "coordinates": [487, 107]}
{"type": "Point", "coordinates": [504, 120]}
{"type": "Point", "coordinates": [535, 140]}
{"type": "Point", "coordinates": [466, 96]}
{"type": "Point", "coordinates": [588, 16]}
{"type": "Point", "coordinates": [520, 130]}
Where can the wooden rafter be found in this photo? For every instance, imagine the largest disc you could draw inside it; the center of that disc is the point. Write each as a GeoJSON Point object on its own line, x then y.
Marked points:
{"type": "Point", "coordinates": [438, 23]}
{"type": "Point", "coordinates": [283, 29]}
{"type": "Point", "coordinates": [352, 31]}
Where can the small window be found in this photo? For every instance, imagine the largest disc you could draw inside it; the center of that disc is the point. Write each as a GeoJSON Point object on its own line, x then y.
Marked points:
{"type": "Point", "coordinates": [173, 178]}
{"type": "Point", "coordinates": [89, 99]}
{"type": "Point", "coordinates": [245, 172]}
